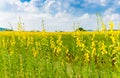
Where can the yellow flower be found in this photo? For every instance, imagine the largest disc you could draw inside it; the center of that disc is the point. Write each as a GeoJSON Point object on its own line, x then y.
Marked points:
{"type": "Point", "coordinates": [59, 41]}
{"type": "Point", "coordinates": [12, 42]}
{"type": "Point", "coordinates": [93, 52]}
{"type": "Point", "coordinates": [87, 57]}
{"type": "Point", "coordinates": [11, 52]}
{"type": "Point", "coordinates": [103, 26]}
{"type": "Point", "coordinates": [103, 48]}
{"type": "Point", "coordinates": [78, 42]}
{"type": "Point", "coordinates": [52, 43]}
{"type": "Point", "coordinates": [57, 50]}
{"type": "Point", "coordinates": [93, 43]}
{"type": "Point", "coordinates": [93, 37]}
{"type": "Point", "coordinates": [67, 51]}
{"type": "Point", "coordinates": [62, 63]}
{"type": "Point", "coordinates": [111, 23]}
{"type": "Point", "coordinates": [113, 39]}
{"type": "Point", "coordinates": [3, 42]}
{"type": "Point", "coordinates": [34, 52]}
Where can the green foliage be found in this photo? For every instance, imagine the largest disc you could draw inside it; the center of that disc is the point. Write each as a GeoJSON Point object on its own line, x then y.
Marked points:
{"type": "Point", "coordinates": [59, 55]}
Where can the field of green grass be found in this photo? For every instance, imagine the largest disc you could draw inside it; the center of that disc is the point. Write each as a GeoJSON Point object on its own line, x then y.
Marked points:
{"type": "Point", "coordinates": [60, 54]}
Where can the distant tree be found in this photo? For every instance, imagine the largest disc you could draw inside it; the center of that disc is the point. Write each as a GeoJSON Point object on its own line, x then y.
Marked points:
{"type": "Point", "coordinates": [80, 29]}
{"type": "Point", "coordinates": [5, 29]}
{"type": "Point", "coordinates": [77, 27]}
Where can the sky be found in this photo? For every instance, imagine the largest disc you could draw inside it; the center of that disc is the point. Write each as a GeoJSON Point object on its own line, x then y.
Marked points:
{"type": "Point", "coordinates": [58, 15]}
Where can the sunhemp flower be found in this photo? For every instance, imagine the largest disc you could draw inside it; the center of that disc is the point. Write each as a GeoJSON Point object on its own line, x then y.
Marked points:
{"type": "Point", "coordinates": [103, 49]}
{"type": "Point", "coordinates": [111, 24]}
{"type": "Point", "coordinates": [103, 26]}
{"type": "Point", "coordinates": [35, 52]}
{"type": "Point", "coordinates": [87, 57]}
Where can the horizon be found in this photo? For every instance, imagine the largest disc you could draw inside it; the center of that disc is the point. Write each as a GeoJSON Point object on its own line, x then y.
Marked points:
{"type": "Point", "coordinates": [58, 14]}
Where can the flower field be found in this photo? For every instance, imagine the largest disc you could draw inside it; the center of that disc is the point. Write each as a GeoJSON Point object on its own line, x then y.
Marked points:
{"type": "Point", "coordinates": [60, 54]}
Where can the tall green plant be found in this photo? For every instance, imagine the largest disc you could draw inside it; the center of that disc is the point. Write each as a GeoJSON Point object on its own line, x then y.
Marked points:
{"type": "Point", "coordinates": [20, 25]}
{"type": "Point", "coordinates": [100, 22]}
{"type": "Point", "coordinates": [43, 26]}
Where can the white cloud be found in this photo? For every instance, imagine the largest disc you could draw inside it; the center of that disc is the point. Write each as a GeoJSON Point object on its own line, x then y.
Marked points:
{"type": "Point", "coordinates": [61, 21]}
{"type": "Point", "coordinates": [48, 4]}
{"type": "Point", "coordinates": [103, 2]}
{"type": "Point", "coordinates": [109, 10]}
{"type": "Point", "coordinates": [98, 2]}
{"type": "Point", "coordinates": [85, 16]}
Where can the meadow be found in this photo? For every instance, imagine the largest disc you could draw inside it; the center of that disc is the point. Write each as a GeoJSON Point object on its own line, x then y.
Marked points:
{"type": "Point", "coordinates": [60, 54]}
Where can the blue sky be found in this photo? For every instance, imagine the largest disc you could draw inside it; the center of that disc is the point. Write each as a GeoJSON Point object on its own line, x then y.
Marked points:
{"type": "Point", "coordinates": [25, 1]}
{"type": "Point", "coordinates": [58, 14]}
